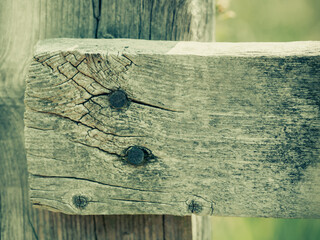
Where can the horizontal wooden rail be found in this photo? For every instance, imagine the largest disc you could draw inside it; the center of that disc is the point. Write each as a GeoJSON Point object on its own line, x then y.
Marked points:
{"type": "Point", "coordinates": [153, 127]}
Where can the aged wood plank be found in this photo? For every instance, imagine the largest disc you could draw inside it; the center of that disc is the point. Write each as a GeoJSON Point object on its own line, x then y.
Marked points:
{"type": "Point", "coordinates": [110, 227]}
{"type": "Point", "coordinates": [201, 227]}
{"type": "Point", "coordinates": [176, 227]}
{"type": "Point", "coordinates": [157, 20]}
{"type": "Point", "coordinates": [226, 128]}
{"type": "Point", "coordinates": [22, 24]}
{"type": "Point", "coordinates": [137, 227]}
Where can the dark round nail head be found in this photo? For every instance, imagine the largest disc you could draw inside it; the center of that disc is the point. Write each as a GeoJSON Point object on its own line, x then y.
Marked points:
{"type": "Point", "coordinates": [80, 201]}
{"type": "Point", "coordinates": [194, 207]}
{"type": "Point", "coordinates": [118, 99]}
{"type": "Point", "coordinates": [135, 155]}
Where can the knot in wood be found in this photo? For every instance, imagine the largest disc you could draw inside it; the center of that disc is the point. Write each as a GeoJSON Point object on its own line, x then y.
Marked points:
{"type": "Point", "coordinates": [118, 99]}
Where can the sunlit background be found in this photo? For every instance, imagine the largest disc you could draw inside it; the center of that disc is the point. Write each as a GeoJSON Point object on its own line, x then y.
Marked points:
{"type": "Point", "coordinates": [267, 21]}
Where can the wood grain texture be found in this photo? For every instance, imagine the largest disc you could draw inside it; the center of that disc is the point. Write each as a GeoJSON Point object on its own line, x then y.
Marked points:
{"type": "Point", "coordinates": [201, 227]}
{"type": "Point", "coordinates": [111, 227]}
{"type": "Point", "coordinates": [22, 24]}
{"type": "Point", "coordinates": [234, 128]}
{"type": "Point", "coordinates": [157, 19]}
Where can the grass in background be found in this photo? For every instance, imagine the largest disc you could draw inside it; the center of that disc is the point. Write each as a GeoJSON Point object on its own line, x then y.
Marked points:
{"type": "Point", "coordinates": [267, 21]}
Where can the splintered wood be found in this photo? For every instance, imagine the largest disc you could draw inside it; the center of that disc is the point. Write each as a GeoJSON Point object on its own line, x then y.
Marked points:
{"type": "Point", "coordinates": [228, 129]}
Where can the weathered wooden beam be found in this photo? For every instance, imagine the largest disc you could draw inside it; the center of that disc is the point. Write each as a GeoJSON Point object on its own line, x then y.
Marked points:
{"type": "Point", "coordinates": [22, 24]}
{"type": "Point", "coordinates": [157, 19]}
{"type": "Point", "coordinates": [111, 227]}
{"type": "Point", "coordinates": [226, 129]}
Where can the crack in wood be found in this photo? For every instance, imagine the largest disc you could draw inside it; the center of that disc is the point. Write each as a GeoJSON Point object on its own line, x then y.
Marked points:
{"type": "Point", "coordinates": [86, 74]}
{"type": "Point", "coordinates": [131, 61]}
{"type": "Point", "coordinates": [94, 219]}
{"type": "Point", "coordinates": [96, 5]}
{"type": "Point", "coordinates": [97, 182]}
{"type": "Point", "coordinates": [39, 128]}
{"type": "Point", "coordinates": [31, 225]}
{"type": "Point", "coordinates": [85, 125]}
{"type": "Point", "coordinates": [140, 201]}
{"type": "Point", "coordinates": [42, 190]}
{"type": "Point", "coordinates": [154, 106]}
{"type": "Point", "coordinates": [37, 204]}
{"type": "Point", "coordinates": [238, 133]}
{"type": "Point", "coordinates": [150, 19]}
{"type": "Point", "coordinates": [96, 147]}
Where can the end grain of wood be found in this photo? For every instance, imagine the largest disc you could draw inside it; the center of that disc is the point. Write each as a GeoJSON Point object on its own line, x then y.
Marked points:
{"type": "Point", "coordinates": [234, 127]}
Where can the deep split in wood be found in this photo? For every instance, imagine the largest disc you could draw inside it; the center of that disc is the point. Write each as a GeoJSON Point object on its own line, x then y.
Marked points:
{"type": "Point", "coordinates": [215, 128]}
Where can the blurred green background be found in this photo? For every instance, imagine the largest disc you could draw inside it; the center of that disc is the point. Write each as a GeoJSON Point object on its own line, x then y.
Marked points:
{"type": "Point", "coordinates": [232, 228]}
{"type": "Point", "coordinates": [267, 21]}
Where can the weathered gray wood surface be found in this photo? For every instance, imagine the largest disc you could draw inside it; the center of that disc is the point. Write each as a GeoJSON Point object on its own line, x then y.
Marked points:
{"type": "Point", "coordinates": [112, 227]}
{"type": "Point", "coordinates": [22, 24]}
{"type": "Point", "coordinates": [234, 127]}
{"type": "Point", "coordinates": [157, 20]}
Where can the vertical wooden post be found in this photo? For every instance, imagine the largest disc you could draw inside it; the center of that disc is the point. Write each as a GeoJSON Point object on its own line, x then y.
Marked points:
{"type": "Point", "coordinates": [22, 24]}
